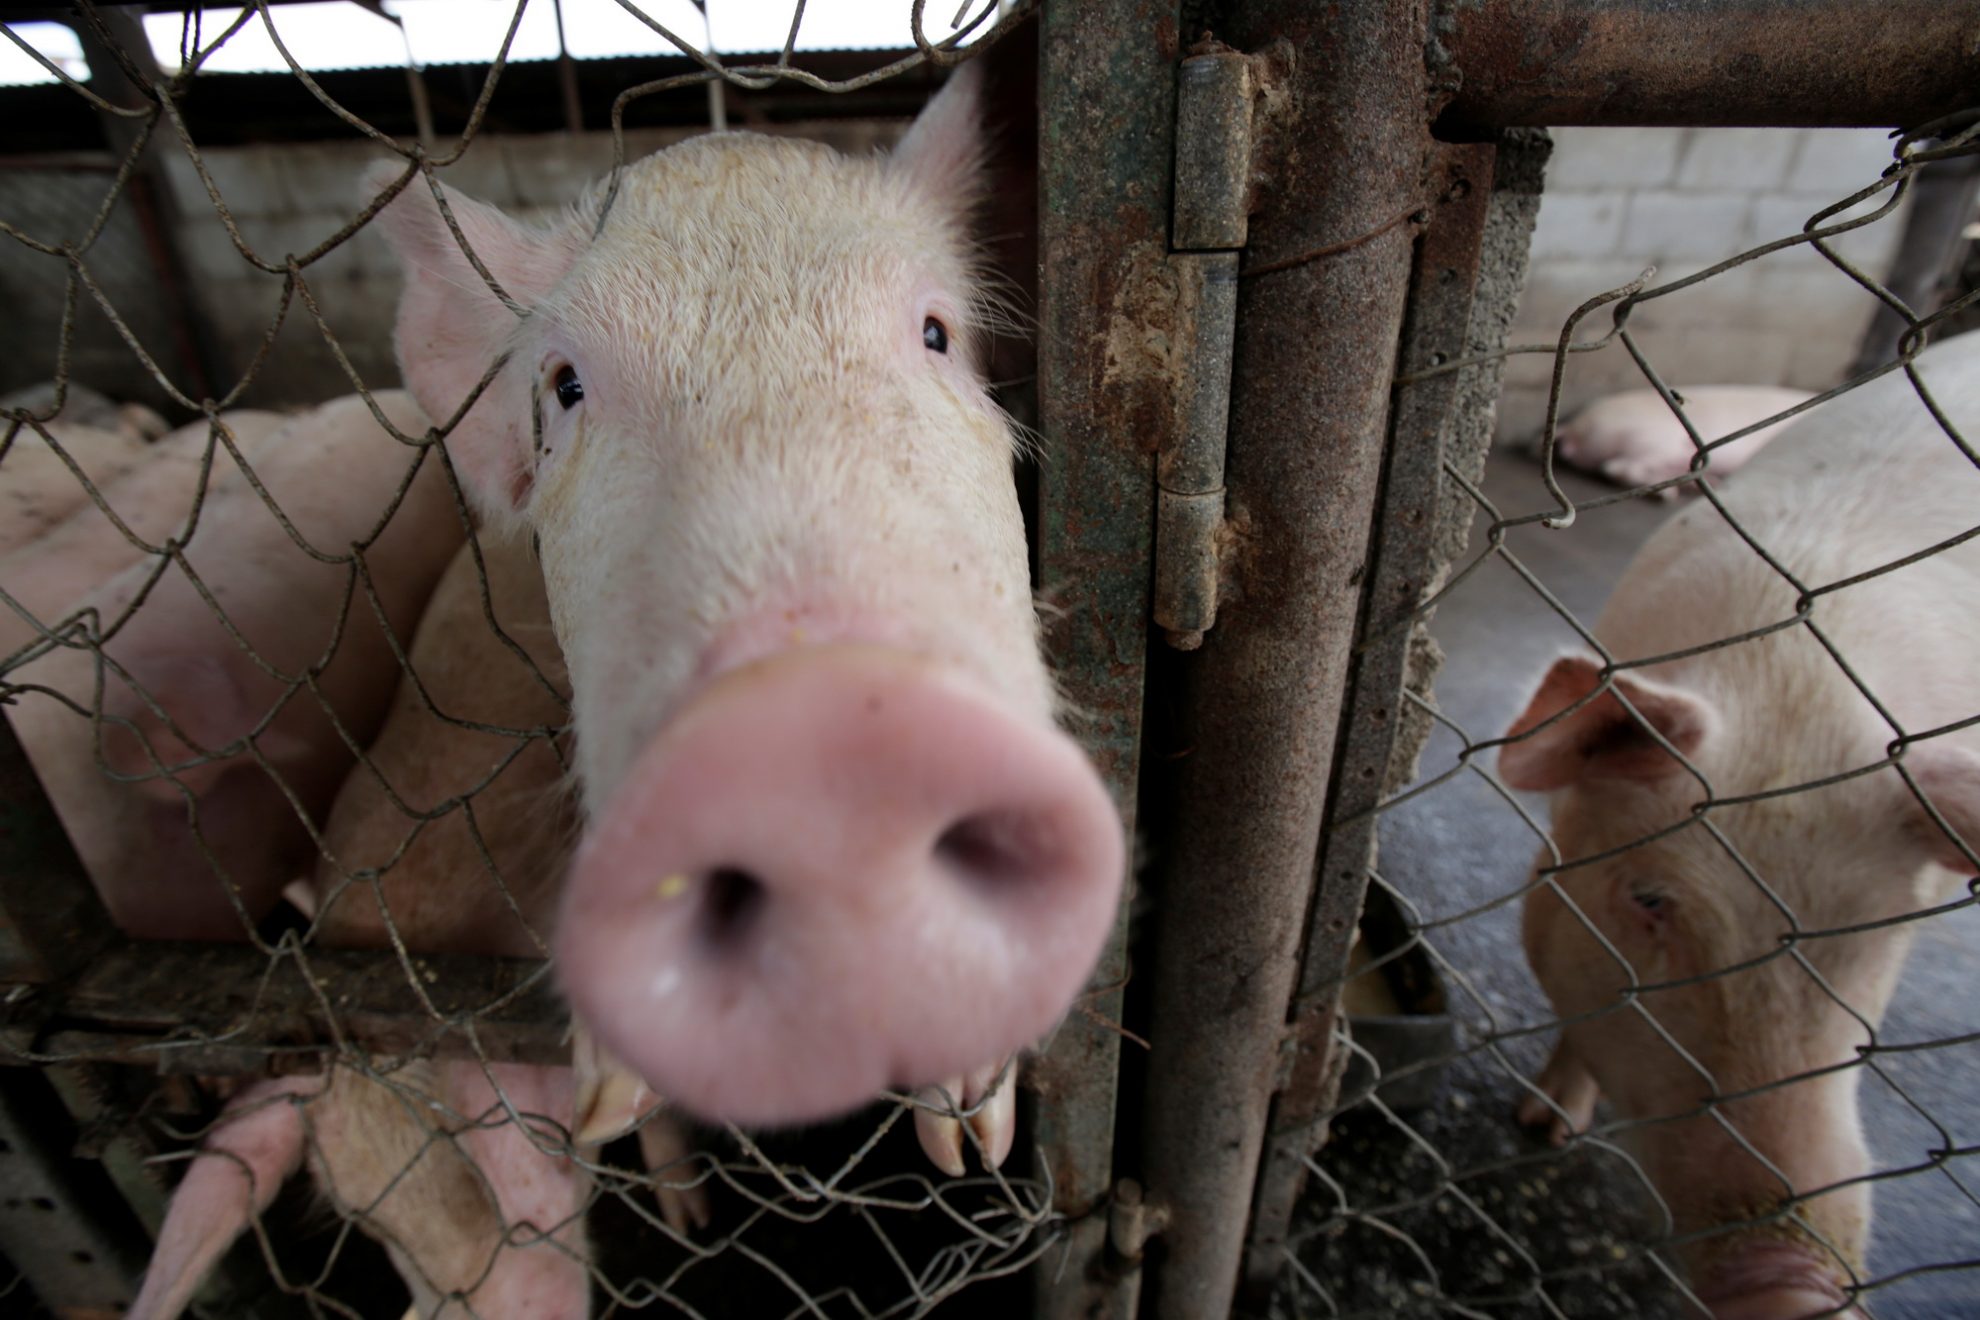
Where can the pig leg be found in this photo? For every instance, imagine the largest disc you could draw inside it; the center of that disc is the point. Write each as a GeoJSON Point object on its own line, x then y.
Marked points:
{"type": "Point", "coordinates": [988, 1109]}
{"type": "Point", "coordinates": [1565, 1102]}
{"type": "Point", "coordinates": [1646, 472]}
{"type": "Point", "coordinates": [255, 1148]}
{"type": "Point", "coordinates": [539, 1267]}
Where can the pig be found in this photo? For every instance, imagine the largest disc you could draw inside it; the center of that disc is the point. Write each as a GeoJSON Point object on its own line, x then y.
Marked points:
{"type": "Point", "coordinates": [402, 857]}
{"type": "Point", "coordinates": [1634, 439]}
{"type": "Point", "coordinates": [83, 406]}
{"type": "Point", "coordinates": [1780, 1211]}
{"type": "Point", "coordinates": [38, 489]}
{"type": "Point", "coordinates": [211, 766]}
{"type": "Point", "coordinates": [85, 548]}
{"type": "Point", "coordinates": [834, 841]}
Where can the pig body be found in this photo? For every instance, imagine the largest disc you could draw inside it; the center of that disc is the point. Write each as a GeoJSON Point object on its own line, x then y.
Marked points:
{"type": "Point", "coordinates": [189, 836]}
{"type": "Point", "coordinates": [1634, 439]}
{"type": "Point", "coordinates": [834, 842]}
{"type": "Point", "coordinates": [37, 487]}
{"type": "Point", "coordinates": [475, 1194]}
{"type": "Point", "coordinates": [84, 549]}
{"type": "Point", "coordinates": [1863, 482]}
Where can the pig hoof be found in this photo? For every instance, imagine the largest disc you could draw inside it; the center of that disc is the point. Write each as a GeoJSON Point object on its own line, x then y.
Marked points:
{"type": "Point", "coordinates": [988, 1109]}
{"type": "Point", "coordinates": [664, 1144]}
{"type": "Point", "coordinates": [1565, 1101]}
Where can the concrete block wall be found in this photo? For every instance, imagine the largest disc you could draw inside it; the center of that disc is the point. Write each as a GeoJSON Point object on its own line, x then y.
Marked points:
{"type": "Point", "coordinates": [1621, 199]}
{"type": "Point", "coordinates": [288, 199]}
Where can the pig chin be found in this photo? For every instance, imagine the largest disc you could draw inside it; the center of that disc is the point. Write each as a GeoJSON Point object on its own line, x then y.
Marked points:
{"type": "Point", "coordinates": [1773, 1279]}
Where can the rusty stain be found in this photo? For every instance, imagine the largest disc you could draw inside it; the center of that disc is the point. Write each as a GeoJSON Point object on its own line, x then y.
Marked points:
{"type": "Point", "coordinates": [1506, 63]}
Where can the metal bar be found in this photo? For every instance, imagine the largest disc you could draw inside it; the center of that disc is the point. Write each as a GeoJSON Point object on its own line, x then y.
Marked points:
{"type": "Point", "coordinates": [1105, 149]}
{"type": "Point", "coordinates": [230, 1008]}
{"type": "Point", "coordinates": [78, 1259]}
{"type": "Point", "coordinates": [1320, 309]}
{"type": "Point", "coordinates": [149, 189]}
{"type": "Point", "coordinates": [1406, 563]}
{"type": "Point", "coordinates": [1942, 197]}
{"type": "Point", "coordinates": [1703, 62]}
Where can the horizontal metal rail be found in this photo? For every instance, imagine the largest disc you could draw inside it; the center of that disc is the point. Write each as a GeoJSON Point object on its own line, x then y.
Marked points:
{"type": "Point", "coordinates": [1756, 63]}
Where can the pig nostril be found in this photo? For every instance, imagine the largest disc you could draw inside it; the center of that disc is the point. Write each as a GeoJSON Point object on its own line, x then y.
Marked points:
{"type": "Point", "coordinates": [988, 847]}
{"type": "Point", "coordinates": [733, 900]}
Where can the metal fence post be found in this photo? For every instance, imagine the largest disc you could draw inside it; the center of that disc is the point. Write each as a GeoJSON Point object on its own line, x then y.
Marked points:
{"type": "Point", "coordinates": [1107, 91]}
{"type": "Point", "coordinates": [1481, 215]}
{"type": "Point", "coordinates": [1342, 145]}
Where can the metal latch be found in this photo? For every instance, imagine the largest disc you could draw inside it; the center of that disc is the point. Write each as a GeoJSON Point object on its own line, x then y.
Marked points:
{"type": "Point", "coordinates": [1212, 204]}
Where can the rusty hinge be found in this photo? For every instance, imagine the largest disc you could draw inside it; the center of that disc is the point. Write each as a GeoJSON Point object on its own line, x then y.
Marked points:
{"type": "Point", "coordinates": [1212, 205]}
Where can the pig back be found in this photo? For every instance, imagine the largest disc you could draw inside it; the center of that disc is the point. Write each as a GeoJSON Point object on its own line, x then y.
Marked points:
{"type": "Point", "coordinates": [462, 817]}
{"type": "Point", "coordinates": [1856, 484]}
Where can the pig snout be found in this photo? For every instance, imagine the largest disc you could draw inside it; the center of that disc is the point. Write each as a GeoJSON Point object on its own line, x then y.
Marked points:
{"type": "Point", "coordinates": [837, 870]}
{"type": "Point", "coordinates": [1775, 1281]}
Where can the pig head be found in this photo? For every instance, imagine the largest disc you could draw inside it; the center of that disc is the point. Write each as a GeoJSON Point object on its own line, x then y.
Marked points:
{"type": "Point", "coordinates": [834, 841]}
{"type": "Point", "coordinates": [1720, 930]}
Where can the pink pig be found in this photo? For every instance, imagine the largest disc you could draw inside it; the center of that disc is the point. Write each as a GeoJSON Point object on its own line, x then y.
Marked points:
{"type": "Point", "coordinates": [83, 549]}
{"type": "Point", "coordinates": [834, 842]}
{"type": "Point", "coordinates": [196, 738]}
{"type": "Point", "coordinates": [1634, 439]}
{"type": "Point", "coordinates": [1746, 1022]}
{"type": "Point", "coordinates": [493, 1213]}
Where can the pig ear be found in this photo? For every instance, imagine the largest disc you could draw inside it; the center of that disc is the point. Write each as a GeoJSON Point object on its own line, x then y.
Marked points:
{"type": "Point", "coordinates": [1950, 777]}
{"type": "Point", "coordinates": [452, 326]}
{"type": "Point", "coordinates": [1601, 740]}
{"type": "Point", "coordinates": [944, 150]}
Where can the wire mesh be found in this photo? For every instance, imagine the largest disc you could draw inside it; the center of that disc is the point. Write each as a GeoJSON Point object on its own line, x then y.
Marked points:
{"type": "Point", "coordinates": [466, 1166]}
{"type": "Point", "coordinates": [1717, 968]}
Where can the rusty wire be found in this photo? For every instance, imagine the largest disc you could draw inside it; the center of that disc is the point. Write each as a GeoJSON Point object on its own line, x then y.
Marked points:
{"type": "Point", "coordinates": [921, 1237]}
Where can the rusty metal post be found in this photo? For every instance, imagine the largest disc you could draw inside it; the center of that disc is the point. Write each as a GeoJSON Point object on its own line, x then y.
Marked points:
{"type": "Point", "coordinates": [149, 189]}
{"type": "Point", "coordinates": [1107, 88]}
{"type": "Point", "coordinates": [1341, 144]}
{"type": "Point", "coordinates": [1942, 196]}
{"type": "Point", "coordinates": [1405, 565]}
{"type": "Point", "coordinates": [1756, 63]}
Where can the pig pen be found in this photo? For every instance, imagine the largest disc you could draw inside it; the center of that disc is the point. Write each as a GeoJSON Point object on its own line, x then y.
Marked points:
{"type": "Point", "coordinates": [1241, 635]}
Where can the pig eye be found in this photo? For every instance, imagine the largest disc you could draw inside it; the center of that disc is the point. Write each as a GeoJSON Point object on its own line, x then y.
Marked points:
{"type": "Point", "coordinates": [570, 390]}
{"type": "Point", "coordinates": [1650, 902]}
{"type": "Point", "coordinates": [934, 335]}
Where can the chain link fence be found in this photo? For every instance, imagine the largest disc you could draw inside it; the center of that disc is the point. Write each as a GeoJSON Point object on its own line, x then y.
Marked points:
{"type": "Point", "coordinates": [423, 1062]}
{"type": "Point", "coordinates": [451, 828]}
{"type": "Point", "coordinates": [1724, 949]}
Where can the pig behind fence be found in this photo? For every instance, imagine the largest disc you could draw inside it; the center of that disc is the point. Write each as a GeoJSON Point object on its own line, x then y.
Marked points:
{"type": "Point", "coordinates": [1634, 439]}
{"type": "Point", "coordinates": [835, 844]}
{"type": "Point", "coordinates": [228, 707]}
{"type": "Point", "coordinates": [451, 837]}
{"type": "Point", "coordinates": [1742, 1037]}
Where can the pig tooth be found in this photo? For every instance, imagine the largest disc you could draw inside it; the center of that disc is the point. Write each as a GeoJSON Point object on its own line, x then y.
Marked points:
{"type": "Point", "coordinates": [611, 1100]}
{"type": "Point", "coordinates": [618, 1101]}
{"type": "Point", "coordinates": [995, 1120]}
{"type": "Point", "coordinates": [938, 1130]}
{"type": "Point", "coordinates": [662, 1143]}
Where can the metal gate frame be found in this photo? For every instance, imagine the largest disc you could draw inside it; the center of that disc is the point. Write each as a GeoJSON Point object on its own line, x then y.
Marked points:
{"type": "Point", "coordinates": [1382, 134]}
{"type": "Point", "coordinates": [1378, 143]}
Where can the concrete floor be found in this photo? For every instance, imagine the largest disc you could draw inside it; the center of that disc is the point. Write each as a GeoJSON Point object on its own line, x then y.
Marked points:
{"type": "Point", "coordinates": [1516, 1220]}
